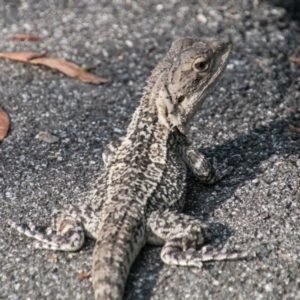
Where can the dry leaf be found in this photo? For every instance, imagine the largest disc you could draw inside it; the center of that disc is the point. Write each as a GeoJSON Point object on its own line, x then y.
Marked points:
{"type": "Point", "coordinates": [68, 68]}
{"type": "Point", "coordinates": [26, 37]}
{"type": "Point", "coordinates": [4, 124]}
{"type": "Point", "coordinates": [263, 65]}
{"type": "Point", "coordinates": [21, 56]}
{"type": "Point", "coordinates": [295, 60]}
{"type": "Point", "coordinates": [294, 129]}
{"type": "Point", "coordinates": [83, 275]}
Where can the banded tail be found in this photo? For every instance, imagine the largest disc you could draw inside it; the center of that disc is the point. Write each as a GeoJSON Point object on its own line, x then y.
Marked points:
{"type": "Point", "coordinates": [119, 241]}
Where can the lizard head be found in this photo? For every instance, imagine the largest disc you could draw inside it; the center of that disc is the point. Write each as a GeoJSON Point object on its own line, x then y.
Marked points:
{"type": "Point", "coordinates": [193, 70]}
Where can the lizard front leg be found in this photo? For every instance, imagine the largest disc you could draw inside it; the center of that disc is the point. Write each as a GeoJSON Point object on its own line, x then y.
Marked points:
{"type": "Point", "coordinates": [70, 225]}
{"type": "Point", "coordinates": [182, 236]}
{"type": "Point", "coordinates": [68, 229]}
{"type": "Point", "coordinates": [205, 171]}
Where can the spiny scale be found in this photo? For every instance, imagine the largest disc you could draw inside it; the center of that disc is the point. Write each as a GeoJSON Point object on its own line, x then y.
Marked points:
{"type": "Point", "coordinates": [139, 196]}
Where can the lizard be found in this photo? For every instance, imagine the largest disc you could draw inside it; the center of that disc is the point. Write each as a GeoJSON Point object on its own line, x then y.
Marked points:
{"type": "Point", "coordinates": [139, 195]}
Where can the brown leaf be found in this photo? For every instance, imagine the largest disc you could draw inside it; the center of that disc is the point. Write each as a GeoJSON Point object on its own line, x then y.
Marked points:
{"type": "Point", "coordinates": [295, 60]}
{"type": "Point", "coordinates": [263, 65]}
{"type": "Point", "coordinates": [83, 275]}
{"type": "Point", "coordinates": [66, 67]}
{"type": "Point", "coordinates": [69, 69]}
{"type": "Point", "coordinates": [294, 129]}
{"type": "Point", "coordinates": [26, 37]}
{"type": "Point", "coordinates": [21, 56]}
{"type": "Point", "coordinates": [4, 124]}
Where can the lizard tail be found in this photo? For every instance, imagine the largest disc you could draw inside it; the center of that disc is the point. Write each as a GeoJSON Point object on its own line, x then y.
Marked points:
{"type": "Point", "coordinates": [119, 241]}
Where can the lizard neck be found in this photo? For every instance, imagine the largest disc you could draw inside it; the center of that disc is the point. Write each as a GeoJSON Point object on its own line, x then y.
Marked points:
{"type": "Point", "coordinates": [144, 115]}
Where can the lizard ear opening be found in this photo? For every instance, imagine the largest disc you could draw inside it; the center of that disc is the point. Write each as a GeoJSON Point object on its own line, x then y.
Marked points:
{"type": "Point", "coordinates": [180, 99]}
{"type": "Point", "coordinates": [167, 111]}
{"type": "Point", "coordinates": [164, 107]}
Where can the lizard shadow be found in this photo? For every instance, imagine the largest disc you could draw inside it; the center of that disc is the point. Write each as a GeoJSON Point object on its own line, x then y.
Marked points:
{"type": "Point", "coordinates": [245, 154]}
{"type": "Point", "coordinates": [291, 6]}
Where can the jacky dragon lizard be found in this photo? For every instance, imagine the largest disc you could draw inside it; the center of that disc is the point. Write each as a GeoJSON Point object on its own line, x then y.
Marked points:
{"type": "Point", "coordinates": [139, 195]}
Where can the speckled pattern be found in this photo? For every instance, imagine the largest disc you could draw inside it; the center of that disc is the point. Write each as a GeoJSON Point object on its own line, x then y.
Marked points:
{"type": "Point", "coordinates": [245, 121]}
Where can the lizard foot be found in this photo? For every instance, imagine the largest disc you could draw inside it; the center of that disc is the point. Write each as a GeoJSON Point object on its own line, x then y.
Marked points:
{"type": "Point", "coordinates": [69, 238]}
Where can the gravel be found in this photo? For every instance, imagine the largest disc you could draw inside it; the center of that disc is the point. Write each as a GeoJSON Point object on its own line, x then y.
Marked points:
{"type": "Point", "coordinates": [244, 122]}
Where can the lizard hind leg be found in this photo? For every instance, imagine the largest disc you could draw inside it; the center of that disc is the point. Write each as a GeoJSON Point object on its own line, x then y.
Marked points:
{"type": "Point", "coordinates": [173, 254]}
{"type": "Point", "coordinates": [68, 234]}
{"type": "Point", "coordinates": [183, 236]}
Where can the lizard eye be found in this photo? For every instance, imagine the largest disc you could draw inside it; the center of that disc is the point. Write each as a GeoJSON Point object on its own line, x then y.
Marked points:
{"type": "Point", "coordinates": [200, 64]}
